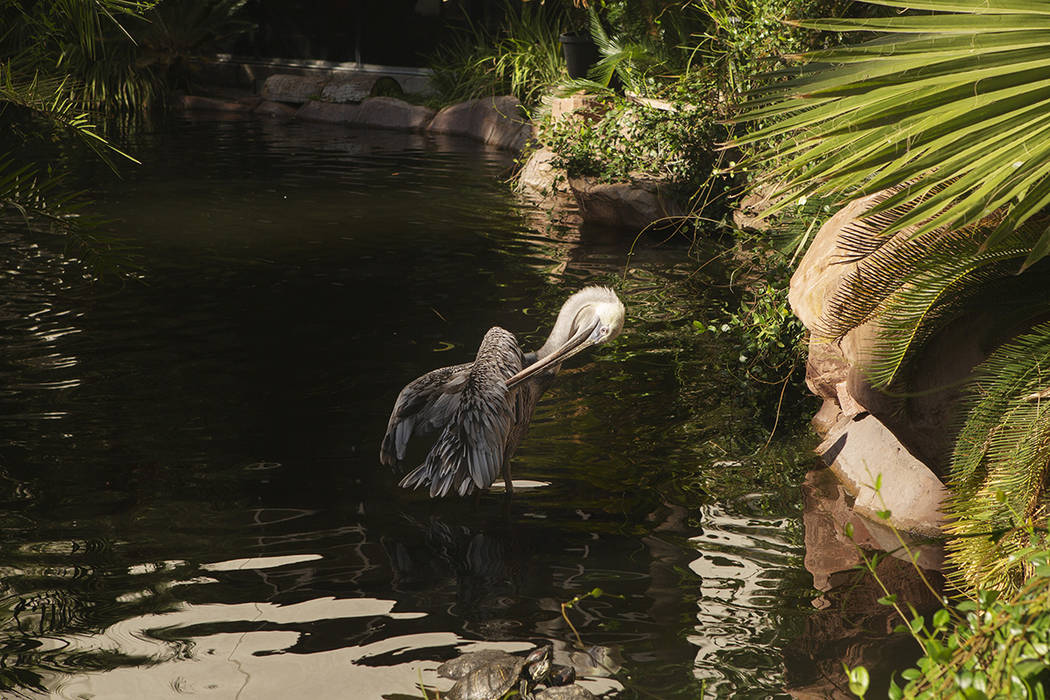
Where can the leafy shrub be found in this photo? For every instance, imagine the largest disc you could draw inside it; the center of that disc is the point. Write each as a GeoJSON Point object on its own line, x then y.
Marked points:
{"type": "Point", "coordinates": [986, 646]}
{"type": "Point", "coordinates": [630, 139]}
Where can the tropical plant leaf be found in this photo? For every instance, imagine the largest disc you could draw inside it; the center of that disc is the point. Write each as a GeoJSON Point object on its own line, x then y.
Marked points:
{"type": "Point", "coordinates": [956, 102]}
{"type": "Point", "coordinates": [1000, 464]}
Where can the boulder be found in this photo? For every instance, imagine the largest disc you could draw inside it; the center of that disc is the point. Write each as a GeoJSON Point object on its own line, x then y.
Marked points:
{"type": "Point", "coordinates": [349, 89]}
{"type": "Point", "coordinates": [378, 112]}
{"type": "Point", "coordinates": [392, 113]}
{"type": "Point", "coordinates": [636, 204]}
{"type": "Point", "coordinates": [862, 451]}
{"type": "Point", "coordinates": [316, 111]}
{"type": "Point", "coordinates": [295, 89]}
{"type": "Point", "coordinates": [826, 368]}
{"type": "Point", "coordinates": [540, 176]}
{"type": "Point", "coordinates": [821, 270]}
{"type": "Point", "coordinates": [921, 410]}
{"type": "Point", "coordinates": [748, 214]}
{"type": "Point", "coordinates": [277, 110]}
{"type": "Point", "coordinates": [496, 121]}
{"type": "Point", "coordinates": [579, 105]}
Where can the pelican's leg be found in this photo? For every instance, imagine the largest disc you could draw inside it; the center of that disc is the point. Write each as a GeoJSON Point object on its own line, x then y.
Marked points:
{"type": "Point", "coordinates": [506, 477]}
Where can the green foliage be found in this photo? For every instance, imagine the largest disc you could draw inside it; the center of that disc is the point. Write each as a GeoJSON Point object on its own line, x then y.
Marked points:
{"type": "Point", "coordinates": [523, 58]}
{"type": "Point", "coordinates": [745, 39]}
{"type": "Point", "coordinates": [82, 43]}
{"type": "Point", "coordinates": [942, 120]}
{"type": "Point", "coordinates": [629, 139]}
{"type": "Point", "coordinates": [637, 63]}
{"type": "Point", "coordinates": [951, 103]}
{"type": "Point", "coordinates": [985, 647]}
{"type": "Point", "coordinates": [988, 645]}
{"type": "Point", "coordinates": [177, 29]}
{"type": "Point", "coordinates": [1001, 464]}
{"type": "Point", "coordinates": [112, 54]}
{"type": "Point", "coordinates": [54, 57]}
{"type": "Point", "coordinates": [770, 338]}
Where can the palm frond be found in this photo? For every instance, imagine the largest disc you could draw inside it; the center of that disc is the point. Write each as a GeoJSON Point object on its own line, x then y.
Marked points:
{"type": "Point", "coordinates": [956, 102]}
{"type": "Point", "coordinates": [1001, 463]}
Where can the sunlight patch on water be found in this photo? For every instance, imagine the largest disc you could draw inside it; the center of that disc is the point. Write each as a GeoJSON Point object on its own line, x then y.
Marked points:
{"type": "Point", "coordinates": [519, 485]}
{"type": "Point", "coordinates": [740, 566]}
{"type": "Point", "coordinates": [259, 562]}
{"type": "Point", "coordinates": [260, 663]}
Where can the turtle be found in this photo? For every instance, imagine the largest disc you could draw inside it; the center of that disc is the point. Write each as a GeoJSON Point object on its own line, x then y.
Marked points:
{"type": "Point", "coordinates": [489, 674]}
{"type": "Point", "coordinates": [462, 665]}
{"type": "Point", "coordinates": [561, 675]}
{"type": "Point", "coordinates": [564, 692]}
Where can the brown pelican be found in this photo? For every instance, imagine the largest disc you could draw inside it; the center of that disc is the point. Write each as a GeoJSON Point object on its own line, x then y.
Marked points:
{"type": "Point", "coordinates": [483, 408]}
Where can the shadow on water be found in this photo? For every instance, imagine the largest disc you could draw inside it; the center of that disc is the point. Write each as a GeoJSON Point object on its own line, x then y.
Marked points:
{"type": "Point", "coordinates": [191, 496]}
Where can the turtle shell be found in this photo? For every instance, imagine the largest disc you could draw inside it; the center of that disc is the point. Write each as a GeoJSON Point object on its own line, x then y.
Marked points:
{"type": "Point", "coordinates": [490, 681]}
{"type": "Point", "coordinates": [565, 692]}
{"type": "Point", "coordinates": [459, 667]}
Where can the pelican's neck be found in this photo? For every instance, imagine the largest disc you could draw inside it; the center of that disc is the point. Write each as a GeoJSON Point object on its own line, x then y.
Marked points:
{"type": "Point", "coordinates": [564, 327]}
{"type": "Point", "coordinates": [561, 332]}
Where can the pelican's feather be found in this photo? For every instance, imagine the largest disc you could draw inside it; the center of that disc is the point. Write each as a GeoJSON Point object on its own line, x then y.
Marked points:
{"type": "Point", "coordinates": [469, 453]}
{"type": "Point", "coordinates": [423, 406]}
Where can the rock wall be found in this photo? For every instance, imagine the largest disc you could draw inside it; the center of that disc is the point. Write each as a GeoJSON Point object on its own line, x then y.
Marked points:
{"type": "Point", "coordinates": [496, 121]}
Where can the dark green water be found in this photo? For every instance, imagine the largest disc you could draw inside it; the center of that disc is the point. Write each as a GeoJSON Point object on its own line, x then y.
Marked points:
{"type": "Point", "coordinates": [191, 496]}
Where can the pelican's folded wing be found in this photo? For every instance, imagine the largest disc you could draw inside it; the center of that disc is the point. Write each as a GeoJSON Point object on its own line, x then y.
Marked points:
{"type": "Point", "coordinates": [468, 455]}
{"type": "Point", "coordinates": [424, 405]}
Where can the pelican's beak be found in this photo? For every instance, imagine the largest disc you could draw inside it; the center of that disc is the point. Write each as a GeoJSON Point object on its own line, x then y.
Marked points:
{"type": "Point", "coordinates": [583, 339]}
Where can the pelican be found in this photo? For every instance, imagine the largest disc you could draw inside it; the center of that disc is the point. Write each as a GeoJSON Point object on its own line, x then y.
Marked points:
{"type": "Point", "coordinates": [483, 408]}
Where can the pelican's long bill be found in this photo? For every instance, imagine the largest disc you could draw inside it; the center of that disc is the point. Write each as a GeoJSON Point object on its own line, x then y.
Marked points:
{"type": "Point", "coordinates": [580, 341]}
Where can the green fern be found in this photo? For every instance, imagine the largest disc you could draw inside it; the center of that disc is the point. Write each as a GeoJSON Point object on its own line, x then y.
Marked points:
{"type": "Point", "coordinates": [1001, 464]}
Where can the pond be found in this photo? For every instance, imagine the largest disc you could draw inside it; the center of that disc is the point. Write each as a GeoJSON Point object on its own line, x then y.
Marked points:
{"type": "Point", "coordinates": [192, 497]}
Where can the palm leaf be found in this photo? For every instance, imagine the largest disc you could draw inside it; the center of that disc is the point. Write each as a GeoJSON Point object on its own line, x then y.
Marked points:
{"type": "Point", "coordinates": [1001, 463]}
{"type": "Point", "coordinates": [956, 103]}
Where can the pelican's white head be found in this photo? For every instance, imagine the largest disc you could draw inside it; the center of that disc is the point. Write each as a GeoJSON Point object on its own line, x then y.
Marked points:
{"type": "Point", "coordinates": [594, 308]}
{"type": "Point", "coordinates": [591, 316]}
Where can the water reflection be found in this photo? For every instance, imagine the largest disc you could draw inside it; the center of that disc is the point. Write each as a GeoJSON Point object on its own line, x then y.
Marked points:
{"type": "Point", "coordinates": [190, 496]}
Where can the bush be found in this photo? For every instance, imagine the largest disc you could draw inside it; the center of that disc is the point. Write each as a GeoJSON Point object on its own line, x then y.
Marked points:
{"type": "Point", "coordinates": [986, 646]}
{"type": "Point", "coordinates": [630, 139]}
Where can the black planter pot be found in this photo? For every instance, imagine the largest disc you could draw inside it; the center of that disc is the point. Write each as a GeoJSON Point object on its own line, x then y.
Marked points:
{"type": "Point", "coordinates": [580, 53]}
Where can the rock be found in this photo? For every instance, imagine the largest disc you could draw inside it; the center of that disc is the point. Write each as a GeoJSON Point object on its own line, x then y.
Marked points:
{"type": "Point", "coordinates": [380, 112]}
{"type": "Point", "coordinates": [275, 109]}
{"type": "Point", "coordinates": [540, 177]}
{"type": "Point", "coordinates": [921, 409]}
{"type": "Point", "coordinates": [826, 417]}
{"type": "Point", "coordinates": [748, 214]}
{"type": "Point", "coordinates": [327, 112]}
{"type": "Point", "coordinates": [859, 451]}
{"type": "Point", "coordinates": [635, 204]}
{"type": "Point", "coordinates": [497, 121]}
{"type": "Point", "coordinates": [295, 89]}
{"type": "Point", "coordinates": [350, 89]}
{"type": "Point", "coordinates": [579, 105]}
{"type": "Point", "coordinates": [392, 113]}
{"type": "Point", "coordinates": [194, 102]}
{"type": "Point", "coordinates": [848, 405]}
{"type": "Point", "coordinates": [820, 271]}
{"type": "Point", "coordinates": [826, 368]}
